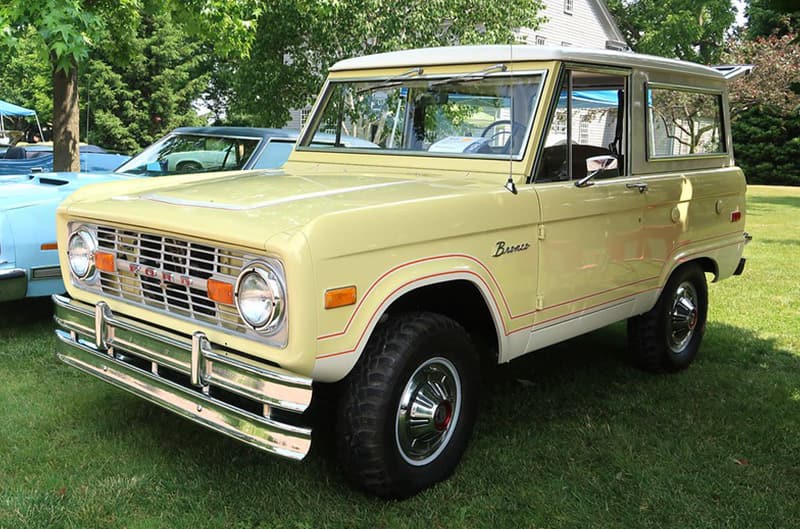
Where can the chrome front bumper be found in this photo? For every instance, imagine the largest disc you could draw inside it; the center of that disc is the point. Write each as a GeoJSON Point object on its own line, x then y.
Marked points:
{"type": "Point", "coordinates": [13, 284]}
{"type": "Point", "coordinates": [187, 375]}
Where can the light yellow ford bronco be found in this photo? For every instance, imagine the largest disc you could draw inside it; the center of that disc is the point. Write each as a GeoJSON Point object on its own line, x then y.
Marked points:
{"type": "Point", "coordinates": [442, 207]}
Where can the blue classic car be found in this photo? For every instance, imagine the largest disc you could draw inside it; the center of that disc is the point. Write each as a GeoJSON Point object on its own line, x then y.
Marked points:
{"type": "Point", "coordinates": [24, 159]}
{"type": "Point", "coordinates": [28, 252]}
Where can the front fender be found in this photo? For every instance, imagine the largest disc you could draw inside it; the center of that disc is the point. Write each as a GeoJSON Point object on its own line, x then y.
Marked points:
{"type": "Point", "coordinates": [340, 345]}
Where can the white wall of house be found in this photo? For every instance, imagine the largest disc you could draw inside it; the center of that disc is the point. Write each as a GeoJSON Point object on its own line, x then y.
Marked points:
{"type": "Point", "coordinates": [583, 23]}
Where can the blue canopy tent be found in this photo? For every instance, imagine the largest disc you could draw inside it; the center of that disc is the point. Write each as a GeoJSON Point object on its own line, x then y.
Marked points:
{"type": "Point", "coordinates": [8, 109]}
{"type": "Point", "coordinates": [591, 99]}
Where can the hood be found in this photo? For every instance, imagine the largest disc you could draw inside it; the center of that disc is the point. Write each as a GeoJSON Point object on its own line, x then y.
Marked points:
{"type": "Point", "coordinates": [247, 208]}
{"type": "Point", "coordinates": [19, 191]}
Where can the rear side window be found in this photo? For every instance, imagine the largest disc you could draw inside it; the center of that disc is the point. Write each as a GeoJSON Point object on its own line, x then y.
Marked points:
{"type": "Point", "coordinates": [683, 122]}
{"type": "Point", "coordinates": [274, 154]}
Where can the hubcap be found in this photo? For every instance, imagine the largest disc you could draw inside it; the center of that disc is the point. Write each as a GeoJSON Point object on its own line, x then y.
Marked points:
{"type": "Point", "coordinates": [683, 317]}
{"type": "Point", "coordinates": [428, 411]}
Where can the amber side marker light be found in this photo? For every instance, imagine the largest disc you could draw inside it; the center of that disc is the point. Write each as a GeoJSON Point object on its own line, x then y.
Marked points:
{"type": "Point", "coordinates": [49, 246]}
{"type": "Point", "coordinates": [220, 291]}
{"type": "Point", "coordinates": [104, 261]}
{"type": "Point", "coordinates": [340, 297]}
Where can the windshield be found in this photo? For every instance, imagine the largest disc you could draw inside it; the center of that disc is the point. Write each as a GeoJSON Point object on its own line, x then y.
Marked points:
{"type": "Point", "coordinates": [462, 115]}
{"type": "Point", "coordinates": [188, 153]}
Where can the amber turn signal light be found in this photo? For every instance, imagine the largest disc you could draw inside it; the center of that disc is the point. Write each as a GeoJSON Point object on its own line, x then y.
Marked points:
{"type": "Point", "coordinates": [220, 291]}
{"type": "Point", "coordinates": [49, 246]}
{"type": "Point", "coordinates": [104, 261]}
{"type": "Point", "coordinates": [340, 297]}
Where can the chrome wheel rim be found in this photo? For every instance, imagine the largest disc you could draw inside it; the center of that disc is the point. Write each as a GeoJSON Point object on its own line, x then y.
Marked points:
{"type": "Point", "coordinates": [428, 411]}
{"type": "Point", "coordinates": [683, 317]}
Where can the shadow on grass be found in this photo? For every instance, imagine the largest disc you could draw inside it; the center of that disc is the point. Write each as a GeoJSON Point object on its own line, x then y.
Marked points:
{"type": "Point", "coordinates": [25, 312]}
{"type": "Point", "coordinates": [543, 400]}
{"type": "Point", "coordinates": [596, 365]}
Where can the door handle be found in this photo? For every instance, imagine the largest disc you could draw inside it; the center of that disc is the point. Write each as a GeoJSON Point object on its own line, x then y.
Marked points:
{"type": "Point", "coordinates": [641, 186]}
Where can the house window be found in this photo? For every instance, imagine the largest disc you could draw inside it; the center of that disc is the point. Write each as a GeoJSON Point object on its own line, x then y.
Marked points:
{"type": "Point", "coordinates": [568, 7]}
{"type": "Point", "coordinates": [304, 115]}
{"type": "Point", "coordinates": [540, 40]}
{"type": "Point", "coordinates": [559, 127]}
{"type": "Point", "coordinates": [583, 132]}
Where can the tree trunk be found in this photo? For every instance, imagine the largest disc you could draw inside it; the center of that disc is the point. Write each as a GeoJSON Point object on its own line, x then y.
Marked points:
{"type": "Point", "coordinates": [66, 115]}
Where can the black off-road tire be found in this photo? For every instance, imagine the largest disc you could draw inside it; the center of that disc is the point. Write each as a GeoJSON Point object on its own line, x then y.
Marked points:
{"type": "Point", "coordinates": [652, 344]}
{"type": "Point", "coordinates": [405, 349]}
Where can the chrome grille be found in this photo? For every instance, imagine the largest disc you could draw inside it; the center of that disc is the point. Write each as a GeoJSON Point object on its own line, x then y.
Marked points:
{"type": "Point", "coordinates": [170, 274]}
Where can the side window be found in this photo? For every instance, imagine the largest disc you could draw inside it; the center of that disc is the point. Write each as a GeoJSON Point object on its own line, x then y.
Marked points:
{"type": "Point", "coordinates": [274, 154]}
{"type": "Point", "coordinates": [588, 121]}
{"type": "Point", "coordinates": [683, 122]}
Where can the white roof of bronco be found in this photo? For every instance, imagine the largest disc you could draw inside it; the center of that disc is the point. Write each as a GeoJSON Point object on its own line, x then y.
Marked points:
{"type": "Point", "coordinates": [519, 53]}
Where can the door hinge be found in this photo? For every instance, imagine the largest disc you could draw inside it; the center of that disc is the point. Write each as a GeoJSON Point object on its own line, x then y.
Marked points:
{"type": "Point", "coordinates": [539, 302]}
{"type": "Point", "coordinates": [541, 232]}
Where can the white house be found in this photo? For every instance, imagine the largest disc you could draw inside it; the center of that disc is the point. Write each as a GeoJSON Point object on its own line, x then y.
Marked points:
{"type": "Point", "coordinates": [584, 23]}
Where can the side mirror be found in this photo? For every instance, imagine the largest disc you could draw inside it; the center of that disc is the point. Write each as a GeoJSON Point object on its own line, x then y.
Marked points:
{"type": "Point", "coordinates": [596, 165]}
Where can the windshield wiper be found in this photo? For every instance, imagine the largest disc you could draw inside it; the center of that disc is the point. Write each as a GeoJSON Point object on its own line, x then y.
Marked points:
{"type": "Point", "coordinates": [472, 76]}
{"type": "Point", "coordinates": [394, 80]}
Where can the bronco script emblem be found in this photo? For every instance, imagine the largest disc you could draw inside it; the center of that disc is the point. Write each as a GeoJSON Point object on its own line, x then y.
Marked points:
{"type": "Point", "coordinates": [502, 248]}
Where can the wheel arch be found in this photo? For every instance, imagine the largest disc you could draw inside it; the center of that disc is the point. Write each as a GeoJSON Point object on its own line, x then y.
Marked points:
{"type": "Point", "coordinates": [449, 295]}
{"type": "Point", "coordinates": [707, 264]}
{"type": "Point", "coordinates": [188, 161]}
{"type": "Point", "coordinates": [461, 300]}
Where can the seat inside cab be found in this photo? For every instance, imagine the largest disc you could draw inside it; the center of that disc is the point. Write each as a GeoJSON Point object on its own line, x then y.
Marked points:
{"type": "Point", "coordinates": [587, 121]}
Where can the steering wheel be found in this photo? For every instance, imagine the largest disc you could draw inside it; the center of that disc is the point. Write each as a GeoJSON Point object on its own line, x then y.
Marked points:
{"type": "Point", "coordinates": [516, 133]}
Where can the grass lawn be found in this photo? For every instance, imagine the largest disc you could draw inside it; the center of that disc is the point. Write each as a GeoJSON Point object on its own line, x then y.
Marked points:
{"type": "Point", "coordinates": [568, 437]}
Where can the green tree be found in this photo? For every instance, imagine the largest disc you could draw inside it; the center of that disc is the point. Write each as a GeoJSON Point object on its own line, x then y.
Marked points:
{"type": "Point", "coordinates": [775, 80]}
{"type": "Point", "coordinates": [767, 146]}
{"type": "Point", "coordinates": [67, 29]}
{"type": "Point", "coordinates": [772, 17]}
{"type": "Point", "coordinates": [130, 101]}
{"type": "Point", "coordinates": [25, 79]}
{"type": "Point", "coordinates": [682, 29]}
{"type": "Point", "coordinates": [297, 40]}
{"type": "Point", "coordinates": [765, 109]}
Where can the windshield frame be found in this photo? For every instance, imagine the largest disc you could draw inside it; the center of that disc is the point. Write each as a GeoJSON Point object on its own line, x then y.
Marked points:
{"type": "Point", "coordinates": [305, 142]}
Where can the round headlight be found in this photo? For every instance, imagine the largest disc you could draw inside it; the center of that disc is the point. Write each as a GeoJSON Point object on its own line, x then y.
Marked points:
{"type": "Point", "coordinates": [260, 297]}
{"type": "Point", "coordinates": [80, 251]}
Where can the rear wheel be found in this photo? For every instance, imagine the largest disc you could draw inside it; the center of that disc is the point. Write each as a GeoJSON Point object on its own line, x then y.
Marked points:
{"type": "Point", "coordinates": [668, 337]}
{"type": "Point", "coordinates": [188, 167]}
{"type": "Point", "coordinates": [409, 405]}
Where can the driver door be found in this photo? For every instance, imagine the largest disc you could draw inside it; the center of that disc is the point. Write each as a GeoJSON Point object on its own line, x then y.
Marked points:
{"type": "Point", "coordinates": [590, 235]}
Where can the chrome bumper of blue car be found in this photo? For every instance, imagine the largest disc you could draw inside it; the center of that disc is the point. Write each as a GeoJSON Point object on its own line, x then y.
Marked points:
{"type": "Point", "coordinates": [13, 284]}
{"type": "Point", "coordinates": [186, 375]}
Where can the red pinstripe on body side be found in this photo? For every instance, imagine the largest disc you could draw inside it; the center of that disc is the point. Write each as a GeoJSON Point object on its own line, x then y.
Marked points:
{"type": "Point", "coordinates": [506, 332]}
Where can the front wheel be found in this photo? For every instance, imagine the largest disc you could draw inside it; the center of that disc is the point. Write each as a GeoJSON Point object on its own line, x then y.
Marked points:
{"type": "Point", "coordinates": [667, 337]}
{"type": "Point", "coordinates": [409, 405]}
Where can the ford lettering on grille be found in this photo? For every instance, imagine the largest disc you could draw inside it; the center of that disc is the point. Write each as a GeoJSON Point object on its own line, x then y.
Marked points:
{"type": "Point", "coordinates": [164, 276]}
{"type": "Point", "coordinates": [171, 275]}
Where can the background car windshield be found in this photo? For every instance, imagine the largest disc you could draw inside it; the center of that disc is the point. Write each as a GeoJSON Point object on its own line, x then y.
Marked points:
{"type": "Point", "coordinates": [186, 153]}
{"type": "Point", "coordinates": [463, 115]}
